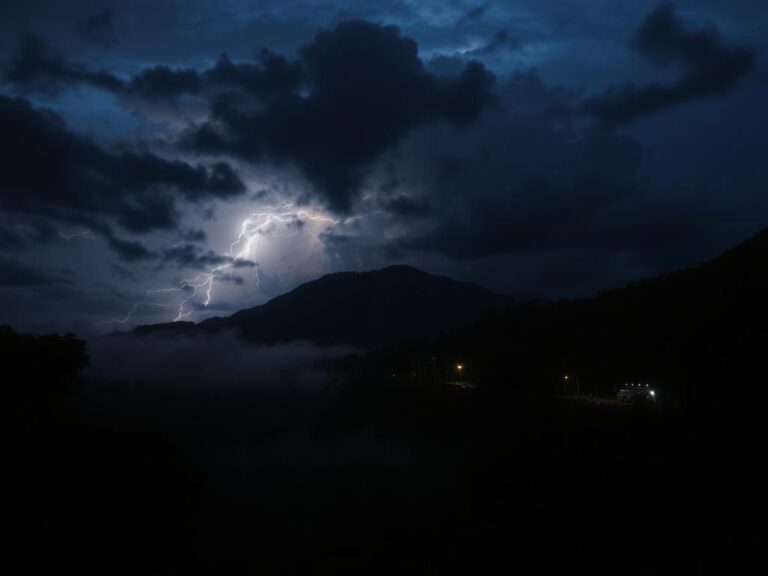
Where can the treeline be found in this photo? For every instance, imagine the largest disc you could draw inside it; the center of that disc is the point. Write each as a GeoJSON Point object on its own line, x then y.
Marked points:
{"type": "Point", "coordinates": [36, 367]}
{"type": "Point", "coordinates": [699, 337]}
{"type": "Point", "coordinates": [80, 497]}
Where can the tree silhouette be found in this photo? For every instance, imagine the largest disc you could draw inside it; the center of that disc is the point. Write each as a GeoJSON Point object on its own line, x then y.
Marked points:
{"type": "Point", "coordinates": [36, 367]}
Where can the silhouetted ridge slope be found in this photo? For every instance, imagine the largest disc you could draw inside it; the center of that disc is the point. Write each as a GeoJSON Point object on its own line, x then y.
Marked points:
{"type": "Point", "coordinates": [700, 334]}
{"type": "Point", "coordinates": [166, 328]}
{"type": "Point", "coordinates": [381, 307]}
{"type": "Point", "coordinates": [737, 273]}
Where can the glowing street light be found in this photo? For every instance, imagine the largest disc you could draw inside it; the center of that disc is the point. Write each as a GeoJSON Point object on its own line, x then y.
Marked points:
{"type": "Point", "coordinates": [460, 367]}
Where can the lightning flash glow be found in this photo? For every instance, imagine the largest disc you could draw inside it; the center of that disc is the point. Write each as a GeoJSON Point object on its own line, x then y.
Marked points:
{"type": "Point", "coordinates": [242, 252]}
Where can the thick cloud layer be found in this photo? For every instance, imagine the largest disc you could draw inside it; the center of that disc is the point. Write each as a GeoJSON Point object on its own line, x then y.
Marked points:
{"type": "Point", "coordinates": [191, 257]}
{"type": "Point", "coordinates": [36, 67]}
{"type": "Point", "coordinates": [54, 173]}
{"type": "Point", "coordinates": [353, 93]}
{"type": "Point", "coordinates": [363, 88]}
{"type": "Point", "coordinates": [527, 191]}
{"type": "Point", "coordinates": [560, 188]}
{"type": "Point", "coordinates": [709, 68]}
{"type": "Point", "coordinates": [17, 274]}
{"type": "Point", "coordinates": [367, 142]}
{"type": "Point", "coordinates": [130, 250]}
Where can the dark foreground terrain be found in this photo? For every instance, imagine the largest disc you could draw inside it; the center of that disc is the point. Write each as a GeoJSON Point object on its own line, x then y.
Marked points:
{"type": "Point", "coordinates": [445, 455]}
{"type": "Point", "coordinates": [124, 479]}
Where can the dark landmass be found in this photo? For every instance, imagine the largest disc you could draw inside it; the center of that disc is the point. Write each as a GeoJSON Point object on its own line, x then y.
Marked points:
{"type": "Point", "coordinates": [367, 309]}
{"type": "Point", "coordinates": [403, 462]}
{"type": "Point", "coordinates": [699, 336]}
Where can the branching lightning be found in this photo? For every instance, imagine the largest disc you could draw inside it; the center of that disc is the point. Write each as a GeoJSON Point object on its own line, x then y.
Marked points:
{"type": "Point", "coordinates": [242, 249]}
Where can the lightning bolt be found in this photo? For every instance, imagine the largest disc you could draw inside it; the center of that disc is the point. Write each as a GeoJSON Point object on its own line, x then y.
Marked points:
{"type": "Point", "coordinates": [258, 224]}
{"type": "Point", "coordinates": [252, 231]}
{"type": "Point", "coordinates": [125, 319]}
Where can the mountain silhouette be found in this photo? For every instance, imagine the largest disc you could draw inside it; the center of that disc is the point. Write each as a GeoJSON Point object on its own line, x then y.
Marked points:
{"type": "Point", "coordinates": [381, 307]}
{"type": "Point", "coordinates": [699, 334]}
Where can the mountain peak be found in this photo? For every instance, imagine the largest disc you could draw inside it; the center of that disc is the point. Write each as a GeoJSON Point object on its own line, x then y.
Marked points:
{"type": "Point", "coordinates": [378, 307]}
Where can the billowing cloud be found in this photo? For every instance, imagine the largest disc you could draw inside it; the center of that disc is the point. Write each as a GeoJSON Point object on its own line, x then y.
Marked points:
{"type": "Point", "coordinates": [502, 40]}
{"type": "Point", "coordinates": [194, 235]}
{"type": "Point", "coordinates": [11, 240]}
{"type": "Point", "coordinates": [407, 207]}
{"type": "Point", "coordinates": [270, 76]}
{"type": "Point", "coordinates": [193, 257]}
{"type": "Point", "coordinates": [36, 67]}
{"type": "Point", "coordinates": [54, 173]}
{"type": "Point", "coordinates": [100, 27]}
{"type": "Point", "coordinates": [130, 250]}
{"type": "Point", "coordinates": [161, 83]}
{"type": "Point", "coordinates": [437, 164]}
{"type": "Point", "coordinates": [354, 92]}
{"type": "Point", "coordinates": [472, 15]}
{"type": "Point", "coordinates": [709, 68]}
{"type": "Point", "coordinates": [363, 89]}
{"type": "Point", "coordinates": [526, 182]}
{"type": "Point", "coordinates": [17, 274]}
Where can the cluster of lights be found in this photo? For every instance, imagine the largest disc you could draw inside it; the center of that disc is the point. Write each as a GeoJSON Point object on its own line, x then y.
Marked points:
{"type": "Point", "coordinates": [632, 387]}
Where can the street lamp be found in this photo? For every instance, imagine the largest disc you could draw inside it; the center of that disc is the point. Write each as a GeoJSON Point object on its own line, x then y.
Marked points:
{"type": "Point", "coordinates": [460, 367]}
{"type": "Point", "coordinates": [565, 384]}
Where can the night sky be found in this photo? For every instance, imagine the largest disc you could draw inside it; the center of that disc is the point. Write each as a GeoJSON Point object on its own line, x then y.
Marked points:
{"type": "Point", "coordinates": [178, 159]}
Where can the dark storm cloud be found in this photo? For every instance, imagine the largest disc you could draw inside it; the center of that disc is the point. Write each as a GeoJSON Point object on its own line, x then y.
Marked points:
{"type": "Point", "coordinates": [164, 83]}
{"type": "Point", "coordinates": [502, 40]}
{"type": "Point", "coordinates": [10, 240]}
{"type": "Point", "coordinates": [272, 75]}
{"type": "Point", "coordinates": [36, 67]}
{"type": "Point", "coordinates": [15, 274]}
{"type": "Point", "coordinates": [709, 68]}
{"type": "Point", "coordinates": [99, 28]}
{"type": "Point", "coordinates": [20, 235]}
{"type": "Point", "coordinates": [407, 207]}
{"type": "Point", "coordinates": [41, 232]}
{"type": "Point", "coordinates": [190, 256]}
{"type": "Point", "coordinates": [365, 88]}
{"type": "Point", "coordinates": [194, 257]}
{"type": "Point", "coordinates": [240, 263]}
{"type": "Point", "coordinates": [51, 172]}
{"type": "Point", "coordinates": [147, 211]}
{"type": "Point", "coordinates": [130, 250]}
{"type": "Point", "coordinates": [524, 181]}
{"type": "Point", "coordinates": [331, 238]}
{"type": "Point", "coordinates": [353, 93]}
{"type": "Point", "coordinates": [235, 279]}
{"type": "Point", "coordinates": [121, 273]}
{"type": "Point", "coordinates": [472, 15]}
{"type": "Point", "coordinates": [193, 235]}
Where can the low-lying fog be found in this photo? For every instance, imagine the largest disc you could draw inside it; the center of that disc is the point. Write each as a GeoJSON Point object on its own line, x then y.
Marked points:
{"type": "Point", "coordinates": [202, 361]}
